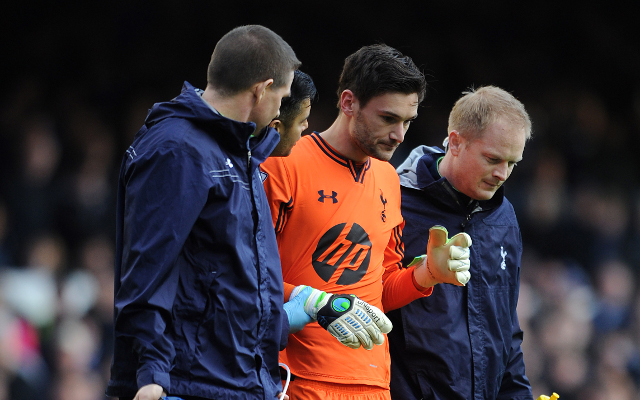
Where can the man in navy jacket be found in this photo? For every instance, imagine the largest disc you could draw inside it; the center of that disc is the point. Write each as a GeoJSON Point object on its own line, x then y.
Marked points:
{"type": "Point", "coordinates": [463, 342]}
{"type": "Point", "coordinates": [198, 283]}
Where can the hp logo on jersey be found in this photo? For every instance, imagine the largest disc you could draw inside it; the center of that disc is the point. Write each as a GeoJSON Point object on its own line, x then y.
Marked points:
{"type": "Point", "coordinates": [345, 249]}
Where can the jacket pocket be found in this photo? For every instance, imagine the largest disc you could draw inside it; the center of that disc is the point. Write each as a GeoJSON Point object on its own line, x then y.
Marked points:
{"type": "Point", "coordinates": [189, 309]}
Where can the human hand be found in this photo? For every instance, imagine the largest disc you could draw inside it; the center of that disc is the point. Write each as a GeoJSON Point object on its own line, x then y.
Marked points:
{"type": "Point", "coordinates": [349, 319]}
{"type": "Point", "coordinates": [446, 261]}
{"type": "Point", "coordinates": [294, 308]}
{"type": "Point", "coordinates": [150, 392]}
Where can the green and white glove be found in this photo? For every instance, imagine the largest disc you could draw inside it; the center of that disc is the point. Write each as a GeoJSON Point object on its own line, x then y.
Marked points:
{"type": "Point", "coordinates": [349, 319]}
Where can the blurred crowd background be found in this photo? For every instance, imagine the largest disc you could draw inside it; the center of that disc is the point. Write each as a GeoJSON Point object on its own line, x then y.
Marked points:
{"type": "Point", "coordinates": [79, 78]}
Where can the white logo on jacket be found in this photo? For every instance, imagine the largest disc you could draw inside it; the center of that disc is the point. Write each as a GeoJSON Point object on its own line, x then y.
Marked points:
{"type": "Point", "coordinates": [131, 152]}
{"type": "Point", "coordinates": [503, 253]}
{"type": "Point", "coordinates": [229, 173]}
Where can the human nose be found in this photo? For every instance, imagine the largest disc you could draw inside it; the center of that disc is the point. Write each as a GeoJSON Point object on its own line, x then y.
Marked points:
{"type": "Point", "coordinates": [398, 133]}
{"type": "Point", "coordinates": [501, 171]}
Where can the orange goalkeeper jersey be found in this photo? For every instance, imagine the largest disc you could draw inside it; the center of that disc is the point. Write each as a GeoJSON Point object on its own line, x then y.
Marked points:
{"type": "Point", "coordinates": [339, 229]}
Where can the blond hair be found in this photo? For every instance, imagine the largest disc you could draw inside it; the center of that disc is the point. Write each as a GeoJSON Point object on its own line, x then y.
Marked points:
{"type": "Point", "coordinates": [478, 108]}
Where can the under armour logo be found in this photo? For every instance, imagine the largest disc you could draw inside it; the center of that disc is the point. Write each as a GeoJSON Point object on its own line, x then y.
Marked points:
{"type": "Point", "coordinates": [323, 196]}
{"type": "Point", "coordinates": [503, 253]}
{"type": "Point", "coordinates": [228, 163]}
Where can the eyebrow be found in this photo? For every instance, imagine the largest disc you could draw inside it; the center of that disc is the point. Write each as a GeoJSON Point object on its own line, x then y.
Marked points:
{"type": "Point", "coordinates": [495, 157]}
{"type": "Point", "coordinates": [399, 117]}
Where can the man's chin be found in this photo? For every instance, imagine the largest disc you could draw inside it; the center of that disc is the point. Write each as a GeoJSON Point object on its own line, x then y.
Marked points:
{"type": "Point", "coordinates": [486, 194]}
{"type": "Point", "coordinates": [384, 155]}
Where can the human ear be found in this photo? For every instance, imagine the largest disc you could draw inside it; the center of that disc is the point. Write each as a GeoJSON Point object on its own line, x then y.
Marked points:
{"type": "Point", "coordinates": [276, 124]}
{"type": "Point", "coordinates": [455, 141]}
{"type": "Point", "coordinates": [347, 102]}
{"type": "Point", "coordinates": [260, 89]}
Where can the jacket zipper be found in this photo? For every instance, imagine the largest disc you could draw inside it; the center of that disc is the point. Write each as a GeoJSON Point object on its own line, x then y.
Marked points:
{"type": "Point", "coordinates": [476, 209]}
{"type": "Point", "coordinates": [465, 222]}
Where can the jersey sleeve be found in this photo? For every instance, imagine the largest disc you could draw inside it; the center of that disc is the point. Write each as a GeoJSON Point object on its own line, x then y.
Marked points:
{"type": "Point", "coordinates": [288, 288]}
{"type": "Point", "coordinates": [398, 287]}
{"type": "Point", "coordinates": [278, 188]}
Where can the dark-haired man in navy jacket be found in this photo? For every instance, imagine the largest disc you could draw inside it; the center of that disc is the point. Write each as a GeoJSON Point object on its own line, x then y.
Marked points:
{"type": "Point", "coordinates": [198, 285]}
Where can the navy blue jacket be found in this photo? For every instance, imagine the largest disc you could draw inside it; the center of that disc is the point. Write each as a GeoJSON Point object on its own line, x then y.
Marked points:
{"type": "Point", "coordinates": [460, 342]}
{"type": "Point", "coordinates": [198, 283]}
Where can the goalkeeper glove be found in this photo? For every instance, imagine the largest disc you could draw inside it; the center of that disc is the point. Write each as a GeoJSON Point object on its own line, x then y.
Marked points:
{"type": "Point", "coordinates": [349, 319]}
{"type": "Point", "coordinates": [446, 261]}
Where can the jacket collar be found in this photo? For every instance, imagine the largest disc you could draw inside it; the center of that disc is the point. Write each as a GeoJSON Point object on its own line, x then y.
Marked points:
{"type": "Point", "coordinates": [233, 135]}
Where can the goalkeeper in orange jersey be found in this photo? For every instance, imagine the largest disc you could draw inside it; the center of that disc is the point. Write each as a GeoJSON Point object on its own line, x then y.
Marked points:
{"type": "Point", "coordinates": [335, 203]}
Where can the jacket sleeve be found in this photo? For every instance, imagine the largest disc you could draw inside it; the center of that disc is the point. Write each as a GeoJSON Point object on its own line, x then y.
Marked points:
{"type": "Point", "coordinates": [515, 384]}
{"type": "Point", "coordinates": [163, 194]}
{"type": "Point", "coordinates": [398, 288]}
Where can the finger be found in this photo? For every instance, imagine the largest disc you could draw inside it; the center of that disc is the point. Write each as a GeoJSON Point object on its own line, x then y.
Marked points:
{"type": "Point", "coordinates": [352, 342]}
{"type": "Point", "coordinates": [384, 324]}
{"type": "Point", "coordinates": [458, 265]}
{"type": "Point", "coordinates": [457, 252]}
{"type": "Point", "coordinates": [376, 336]}
{"type": "Point", "coordinates": [344, 336]}
{"type": "Point", "coordinates": [306, 292]}
{"type": "Point", "coordinates": [462, 239]}
{"type": "Point", "coordinates": [463, 277]}
{"type": "Point", "coordinates": [365, 339]}
{"type": "Point", "coordinates": [378, 317]}
{"type": "Point", "coordinates": [437, 236]}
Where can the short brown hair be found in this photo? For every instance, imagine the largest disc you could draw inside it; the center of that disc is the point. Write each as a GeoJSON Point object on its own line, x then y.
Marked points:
{"type": "Point", "coordinates": [379, 69]}
{"type": "Point", "coordinates": [249, 54]}
{"type": "Point", "coordinates": [478, 108]}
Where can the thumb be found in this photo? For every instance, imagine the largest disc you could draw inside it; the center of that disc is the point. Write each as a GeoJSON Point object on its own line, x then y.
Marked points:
{"type": "Point", "coordinates": [301, 296]}
{"type": "Point", "coordinates": [437, 236]}
{"type": "Point", "coordinates": [462, 239]}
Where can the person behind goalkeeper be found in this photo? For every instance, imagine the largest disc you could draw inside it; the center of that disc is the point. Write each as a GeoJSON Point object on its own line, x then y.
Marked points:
{"type": "Point", "coordinates": [465, 342]}
{"type": "Point", "coordinates": [335, 203]}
